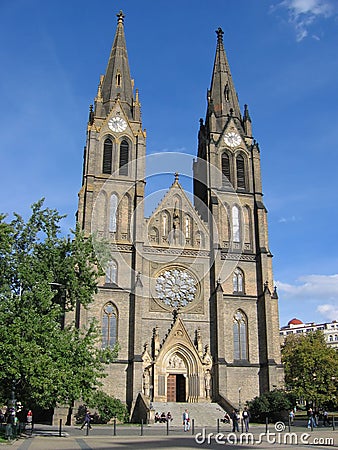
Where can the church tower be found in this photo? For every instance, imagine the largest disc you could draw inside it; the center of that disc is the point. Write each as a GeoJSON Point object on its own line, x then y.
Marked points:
{"type": "Point", "coordinates": [187, 292]}
{"type": "Point", "coordinates": [111, 207]}
{"type": "Point", "coordinates": [244, 304]}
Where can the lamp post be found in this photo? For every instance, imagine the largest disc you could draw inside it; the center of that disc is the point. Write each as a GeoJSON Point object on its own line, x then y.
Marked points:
{"type": "Point", "coordinates": [239, 398]}
{"type": "Point", "coordinates": [13, 399]}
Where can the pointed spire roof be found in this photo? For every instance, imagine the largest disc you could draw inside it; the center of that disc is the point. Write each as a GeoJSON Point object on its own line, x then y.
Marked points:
{"type": "Point", "coordinates": [117, 81]}
{"type": "Point", "coordinates": [222, 93]}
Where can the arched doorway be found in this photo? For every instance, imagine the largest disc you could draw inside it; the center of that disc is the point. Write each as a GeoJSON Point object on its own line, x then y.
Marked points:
{"type": "Point", "coordinates": [176, 388]}
{"type": "Point", "coordinates": [176, 379]}
{"type": "Point", "coordinates": [179, 371]}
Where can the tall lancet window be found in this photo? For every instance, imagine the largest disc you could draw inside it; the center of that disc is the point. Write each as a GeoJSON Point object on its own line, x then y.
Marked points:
{"type": "Point", "coordinates": [118, 79]}
{"type": "Point", "coordinates": [109, 326]}
{"type": "Point", "coordinates": [238, 281]}
{"type": "Point", "coordinates": [124, 158]}
{"type": "Point", "coordinates": [236, 225]}
{"type": "Point", "coordinates": [111, 272]}
{"type": "Point", "coordinates": [240, 329]}
{"type": "Point", "coordinates": [240, 166]}
{"type": "Point", "coordinates": [225, 170]}
{"type": "Point", "coordinates": [226, 92]}
{"type": "Point", "coordinates": [107, 156]}
{"type": "Point", "coordinates": [187, 227]}
{"type": "Point", "coordinates": [165, 224]}
{"type": "Point", "coordinates": [113, 213]}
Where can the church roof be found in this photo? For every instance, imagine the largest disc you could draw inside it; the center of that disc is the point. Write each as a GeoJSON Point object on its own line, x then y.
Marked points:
{"type": "Point", "coordinates": [117, 81]}
{"type": "Point", "coordinates": [222, 95]}
{"type": "Point", "coordinates": [176, 188]}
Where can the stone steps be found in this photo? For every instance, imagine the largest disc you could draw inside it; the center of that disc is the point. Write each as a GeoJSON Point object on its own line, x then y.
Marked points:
{"type": "Point", "coordinates": [204, 414]}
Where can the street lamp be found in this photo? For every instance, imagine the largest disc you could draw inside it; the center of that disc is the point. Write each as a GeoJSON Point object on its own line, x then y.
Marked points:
{"type": "Point", "coordinates": [13, 399]}
{"type": "Point", "coordinates": [239, 398]}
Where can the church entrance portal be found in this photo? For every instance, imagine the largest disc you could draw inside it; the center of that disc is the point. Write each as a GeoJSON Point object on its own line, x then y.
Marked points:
{"type": "Point", "coordinates": [176, 388]}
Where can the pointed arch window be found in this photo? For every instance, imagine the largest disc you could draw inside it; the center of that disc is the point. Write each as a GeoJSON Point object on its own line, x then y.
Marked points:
{"type": "Point", "coordinates": [240, 166]}
{"type": "Point", "coordinates": [225, 170]}
{"type": "Point", "coordinates": [165, 223]}
{"type": "Point", "coordinates": [107, 156]}
{"type": "Point", "coordinates": [109, 325]}
{"type": "Point", "coordinates": [226, 92]}
{"type": "Point", "coordinates": [124, 158]}
{"type": "Point", "coordinates": [240, 330]}
{"type": "Point", "coordinates": [118, 79]}
{"type": "Point", "coordinates": [187, 227]}
{"type": "Point", "coordinates": [236, 226]}
{"type": "Point", "coordinates": [111, 272]}
{"type": "Point", "coordinates": [154, 236]}
{"type": "Point", "coordinates": [238, 281]}
{"type": "Point", "coordinates": [113, 213]}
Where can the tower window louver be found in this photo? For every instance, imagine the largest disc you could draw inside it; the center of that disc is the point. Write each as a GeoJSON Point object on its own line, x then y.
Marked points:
{"type": "Point", "coordinates": [225, 170]}
{"type": "Point", "coordinates": [124, 157]}
{"type": "Point", "coordinates": [240, 172]}
{"type": "Point", "coordinates": [107, 156]}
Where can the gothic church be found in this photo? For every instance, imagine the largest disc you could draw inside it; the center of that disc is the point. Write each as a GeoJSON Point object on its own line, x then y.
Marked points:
{"type": "Point", "coordinates": [188, 292]}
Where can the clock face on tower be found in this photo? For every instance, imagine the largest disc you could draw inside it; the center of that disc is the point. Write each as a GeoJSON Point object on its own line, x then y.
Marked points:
{"type": "Point", "coordinates": [117, 124]}
{"type": "Point", "coordinates": [232, 139]}
{"type": "Point", "coordinates": [176, 288]}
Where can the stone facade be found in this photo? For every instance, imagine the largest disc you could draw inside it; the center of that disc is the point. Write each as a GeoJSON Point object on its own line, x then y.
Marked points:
{"type": "Point", "coordinates": [188, 292]}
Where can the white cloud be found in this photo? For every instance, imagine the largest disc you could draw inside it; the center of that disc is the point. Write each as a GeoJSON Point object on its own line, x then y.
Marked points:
{"type": "Point", "coordinates": [287, 219]}
{"type": "Point", "coordinates": [303, 13]}
{"type": "Point", "coordinates": [321, 287]}
{"type": "Point", "coordinates": [315, 293]}
{"type": "Point", "coordinates": [328, 311]}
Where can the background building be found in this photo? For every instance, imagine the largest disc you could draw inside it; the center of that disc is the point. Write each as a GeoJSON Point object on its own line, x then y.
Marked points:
{"type": "Point", "coordinates": [188, 291]}
{"type": "Point", "coordinates": [296, 326]}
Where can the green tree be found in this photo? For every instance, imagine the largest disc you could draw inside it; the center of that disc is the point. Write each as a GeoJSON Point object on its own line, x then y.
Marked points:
{"type": "Point", "coordinates": [43, 275]}
{"type": "Point", "coordinates": [271, 404]}
{"type": "Point", "coordinates": [311, 368]}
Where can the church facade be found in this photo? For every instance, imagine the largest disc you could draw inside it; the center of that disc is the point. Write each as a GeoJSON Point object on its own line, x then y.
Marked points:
{"type": "Point", "coordinates": [188, 292]}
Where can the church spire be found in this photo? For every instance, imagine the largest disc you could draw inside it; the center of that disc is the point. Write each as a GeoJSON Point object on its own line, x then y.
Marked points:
{"type": "Point", "coordinates": [117, 82]}
{"type": "Point", "coordinates": [223, 99]}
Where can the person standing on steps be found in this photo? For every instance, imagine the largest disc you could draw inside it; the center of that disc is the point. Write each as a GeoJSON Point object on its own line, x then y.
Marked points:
{"type": "Point", "coordinates": [186, 420]}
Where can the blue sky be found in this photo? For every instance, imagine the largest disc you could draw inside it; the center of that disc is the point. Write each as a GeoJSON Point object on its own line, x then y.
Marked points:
{"type": "Point", "coordinates": [283, 57]}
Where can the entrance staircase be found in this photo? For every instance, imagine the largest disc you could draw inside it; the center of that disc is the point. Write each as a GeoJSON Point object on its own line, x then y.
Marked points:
{"type": "Point", "coordinates": [204, 414]}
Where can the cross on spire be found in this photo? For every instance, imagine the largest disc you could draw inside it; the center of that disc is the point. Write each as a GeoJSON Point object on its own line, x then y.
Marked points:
{"type": "Point", "coordinates": [219, 33]}
{"type": "Point", "coordinates": [120, 17]}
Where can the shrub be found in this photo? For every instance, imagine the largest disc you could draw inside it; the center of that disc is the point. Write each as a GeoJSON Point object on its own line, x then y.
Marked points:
{"type": "Point", "coordinates": [106, 407]}
{"type": "Point", "coordinates": [273, 404]}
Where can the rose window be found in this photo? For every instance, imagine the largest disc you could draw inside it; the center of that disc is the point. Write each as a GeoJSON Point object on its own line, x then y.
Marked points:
{"type": "Point", "coordinates": [176, 288]}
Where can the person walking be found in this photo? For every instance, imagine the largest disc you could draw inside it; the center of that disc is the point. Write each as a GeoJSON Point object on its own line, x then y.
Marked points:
{"type": "Point", "coordinates": [325, 418]}
{"type": "Point", "coordinates": [311, 420]}
{"type": "Point", "coordinates": [246, 419]}
{"type": "Point", "coordinates": [186, 420]}
{"type": "Point", "coordinates": [87, 420]}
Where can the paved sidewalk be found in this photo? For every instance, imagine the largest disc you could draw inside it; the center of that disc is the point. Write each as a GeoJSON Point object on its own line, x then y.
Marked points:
{"type": "Point", "coordinates": [101, 438]}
